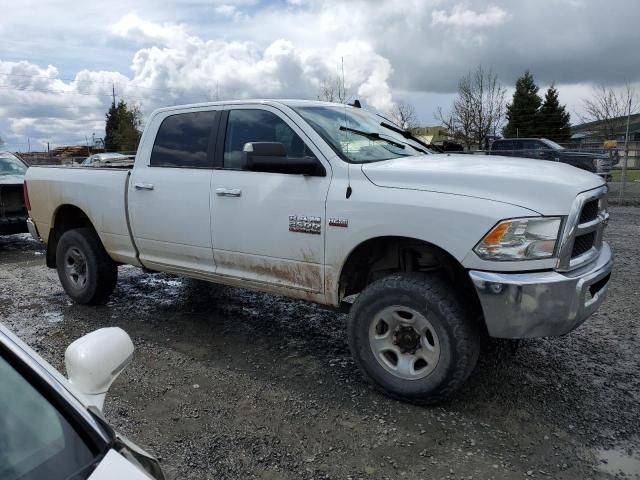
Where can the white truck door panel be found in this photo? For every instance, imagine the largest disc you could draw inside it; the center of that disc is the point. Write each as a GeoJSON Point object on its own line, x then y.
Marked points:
{"type": "Point", "coordinates": [169, 193]}
{"type": "Point", "coordinates": [253, 215]}
{"type": "Point", "coordinates": [170, 221]}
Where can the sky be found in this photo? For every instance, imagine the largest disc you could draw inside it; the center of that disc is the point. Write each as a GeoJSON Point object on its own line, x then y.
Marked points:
{"type": "Point", "coordinates": [60, 59]}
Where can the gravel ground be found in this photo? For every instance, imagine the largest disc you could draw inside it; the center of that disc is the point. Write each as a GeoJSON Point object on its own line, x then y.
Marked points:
{"type": "Point", "coordinates": [227, 383]}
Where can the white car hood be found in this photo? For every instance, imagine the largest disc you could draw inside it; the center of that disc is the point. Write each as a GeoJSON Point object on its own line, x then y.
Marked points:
{"type": "Point", "coordinates": [548, 188]}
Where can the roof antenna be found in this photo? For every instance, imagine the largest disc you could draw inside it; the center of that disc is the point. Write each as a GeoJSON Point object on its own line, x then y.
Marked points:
{"type": "Point", "coordinates": [356, 103]}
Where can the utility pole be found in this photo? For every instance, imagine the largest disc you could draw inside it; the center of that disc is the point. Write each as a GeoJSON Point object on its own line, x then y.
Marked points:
{"type": "Point", "coordinates": [113, 90]}
{"type": "Point", "coordinates": [29, 144]}
{"type": "Point", "coordinates": [344, 95]}
{"type": "Point", "coordinates": [623, 178]}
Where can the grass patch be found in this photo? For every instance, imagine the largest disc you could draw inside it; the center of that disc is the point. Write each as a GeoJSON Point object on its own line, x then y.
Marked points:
{"type": "Point", "coordinates": [632, 175]}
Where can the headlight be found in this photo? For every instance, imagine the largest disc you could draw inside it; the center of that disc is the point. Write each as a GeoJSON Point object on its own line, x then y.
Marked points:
{"type": "Point", "coordinates": [520, 239]}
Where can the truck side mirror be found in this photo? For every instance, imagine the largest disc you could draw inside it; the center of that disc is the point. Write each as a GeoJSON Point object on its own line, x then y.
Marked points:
{"type": "Point", "coordinates": [272, 157]}
{"type": "Point", "coordinates": [94, 361]}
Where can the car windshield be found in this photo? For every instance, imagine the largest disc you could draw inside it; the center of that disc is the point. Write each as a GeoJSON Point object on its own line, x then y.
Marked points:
{"type": "Point", "coordinates": [553, 144]}
{"type": "Point", "coordinates": [12, 166]}
{"type": "Point", "coordinates": [358, 136]}
{"type": "Point", "coordinates": [36, 441]}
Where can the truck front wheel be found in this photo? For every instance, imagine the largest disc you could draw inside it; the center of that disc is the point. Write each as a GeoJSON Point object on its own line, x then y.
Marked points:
{"type": "Point", "coordinates": [411, 338]}
{"type": "Point", "coordinates": [87, 273]}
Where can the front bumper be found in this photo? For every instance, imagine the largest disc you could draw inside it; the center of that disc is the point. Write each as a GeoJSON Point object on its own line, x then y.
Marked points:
{"type": "Point", "coordinates": [541, 304]}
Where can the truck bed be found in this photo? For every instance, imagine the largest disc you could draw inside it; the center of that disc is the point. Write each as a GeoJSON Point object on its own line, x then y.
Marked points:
{"type": "Point", "coordinates": [100, 193]}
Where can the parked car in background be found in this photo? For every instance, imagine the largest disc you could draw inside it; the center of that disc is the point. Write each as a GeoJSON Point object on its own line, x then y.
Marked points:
{"type": "Point", "coordinates": [52, 428]}
{"type": "Point", "coordinates": [545, 149]}
{"type": "Point", "coordinates": [13, 213]}
{"type": "Point", "coordinates": [327, 203]}
{"type": "Point", "coordinates": [108, 160]}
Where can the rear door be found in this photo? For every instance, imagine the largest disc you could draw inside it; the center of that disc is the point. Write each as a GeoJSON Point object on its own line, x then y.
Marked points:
{"type": "Point", "coordinates": [169, 192]}
{"type": "Point", "coordinates": [267, 227]}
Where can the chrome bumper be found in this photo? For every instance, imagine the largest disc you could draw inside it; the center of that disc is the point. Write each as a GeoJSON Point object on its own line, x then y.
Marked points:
{"type": "Point", "coordinates": [33, 230]}
{"type": "Point", "coordinates": [541, 304]}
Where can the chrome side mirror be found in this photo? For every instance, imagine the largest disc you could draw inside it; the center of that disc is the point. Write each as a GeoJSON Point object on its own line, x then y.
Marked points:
{"type": "Point", "coordinates": [94, 361]}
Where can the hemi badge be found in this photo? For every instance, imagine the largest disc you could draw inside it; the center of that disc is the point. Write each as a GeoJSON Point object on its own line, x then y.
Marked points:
{"type": "Point", "coordinates": [339, 222]}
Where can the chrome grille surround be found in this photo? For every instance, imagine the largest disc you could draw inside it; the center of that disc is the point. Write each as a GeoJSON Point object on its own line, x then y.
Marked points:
{"type": "Point", "coordinates": [572, 229]}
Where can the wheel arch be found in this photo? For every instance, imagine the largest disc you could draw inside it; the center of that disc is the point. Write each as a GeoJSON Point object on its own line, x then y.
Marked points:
{"type": "Point", "coordinates": [65, 217]}
{"type": "Point", "coordinates": [377, 257]}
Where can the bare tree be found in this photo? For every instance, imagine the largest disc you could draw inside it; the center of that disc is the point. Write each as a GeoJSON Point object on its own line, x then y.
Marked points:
{"type": "Point", "coordinates": [607, 106]}
{"type": "Point", "coordinates": [332, 91]}
{"type": "Point", "coordinates": [404, 115]}
{"type": "Point", "coordinates": [478, 110]}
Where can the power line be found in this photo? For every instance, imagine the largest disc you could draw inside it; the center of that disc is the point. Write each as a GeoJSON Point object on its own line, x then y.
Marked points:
{"type": "Point", "coordinates": [62, 92]}
{"type": "Point", "coordinates": [67, 107]}
{"type": "Point", "coordinates": [108, 82]}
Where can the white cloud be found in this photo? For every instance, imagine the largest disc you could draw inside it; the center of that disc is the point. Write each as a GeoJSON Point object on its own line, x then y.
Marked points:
{"type": "Point", "coordinates": [180, 68]}
{"type": "Point", "coordinates": [194, 68]}
{"type": "Point", "coordinates": [230, 11]}
{"type": "Point", "coordinates": [462, 16]}
{"type": "Point", "coordinates": [179, 52]}
{"type": "Point", "coordinates": [133, 27]}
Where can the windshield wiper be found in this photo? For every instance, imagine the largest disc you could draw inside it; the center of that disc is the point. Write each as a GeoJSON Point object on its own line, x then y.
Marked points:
{"type": "Point", "coordinates": [407, 134]}
{"type": "Point", "coordinates": [372, 135]}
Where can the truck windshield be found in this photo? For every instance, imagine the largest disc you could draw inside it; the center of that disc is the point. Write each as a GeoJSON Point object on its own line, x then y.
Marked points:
{"type": "Point", "coordinates": [357, 136]}
{"type": "Point", "coordinates": [552, 144]}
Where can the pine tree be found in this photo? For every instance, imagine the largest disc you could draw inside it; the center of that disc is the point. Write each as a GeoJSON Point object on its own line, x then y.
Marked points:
{"type": "Point", "coordinates": [127, 135]}
{"type": "Point", "coordinates": [554, 120]}
{"type": "Point", "coordinates": [522, 113]}
{"type": "Point", "coordinates": [122, 130]}
{"type": "Point", "coordinates": [111, 127]}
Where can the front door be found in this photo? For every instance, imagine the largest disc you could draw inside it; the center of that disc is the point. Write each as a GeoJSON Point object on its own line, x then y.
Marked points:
{"type": "Point", "coordinates": [169, 194]}
{"type": "Point", "coordinates": [267, 227]}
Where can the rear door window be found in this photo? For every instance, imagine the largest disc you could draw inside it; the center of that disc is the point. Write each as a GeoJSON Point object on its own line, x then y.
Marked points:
{"type": "Point", "coordinates": [183, 141]}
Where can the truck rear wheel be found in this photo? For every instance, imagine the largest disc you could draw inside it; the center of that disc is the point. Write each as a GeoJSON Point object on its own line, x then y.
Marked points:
{"type": "Point", "coordinates": [87, 273]}
{"type": "Point", "coordinates": [412, 339]}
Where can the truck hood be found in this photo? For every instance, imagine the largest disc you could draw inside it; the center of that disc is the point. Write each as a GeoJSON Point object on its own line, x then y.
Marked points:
{"type": "Point", "coordinates": [11, 179]}
{"type": "Point", "coordinates": [548, 188]}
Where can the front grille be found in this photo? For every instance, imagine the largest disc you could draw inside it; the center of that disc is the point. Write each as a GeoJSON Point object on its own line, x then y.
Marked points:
{"type": "Point", "coordinates": [583, 244]}
{"type": "Point", "coordinates": [589, 212]}
{"type": "Point", "coordinates": [583, 231]}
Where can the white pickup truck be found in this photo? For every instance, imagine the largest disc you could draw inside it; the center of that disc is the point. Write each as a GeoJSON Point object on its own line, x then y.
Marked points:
{"type": "Point", "coordinates": [331, 203]}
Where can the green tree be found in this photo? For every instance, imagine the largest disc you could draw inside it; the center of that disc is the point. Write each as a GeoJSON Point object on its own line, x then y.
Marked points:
{"type": "Point", "coordinates": [553, 118]}
{"type": "Point", "coordinates": [111, 127]}
{"type": "Point", "coordinates": [522, 113]}
{"type": "Point", "coordinates": [122, 130]}
{"type": "Point", "coordinates": [128, 133]}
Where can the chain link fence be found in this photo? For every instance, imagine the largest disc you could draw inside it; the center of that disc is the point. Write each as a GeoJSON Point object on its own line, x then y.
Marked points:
{"type": "Point", "coordinates": [624, 179]}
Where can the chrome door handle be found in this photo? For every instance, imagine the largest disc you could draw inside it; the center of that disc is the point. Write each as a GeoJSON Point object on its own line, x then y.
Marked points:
{"type": "Point", "coordinates": [143, 186]}
{"type": "Point", "coordinates": [228, 192]}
